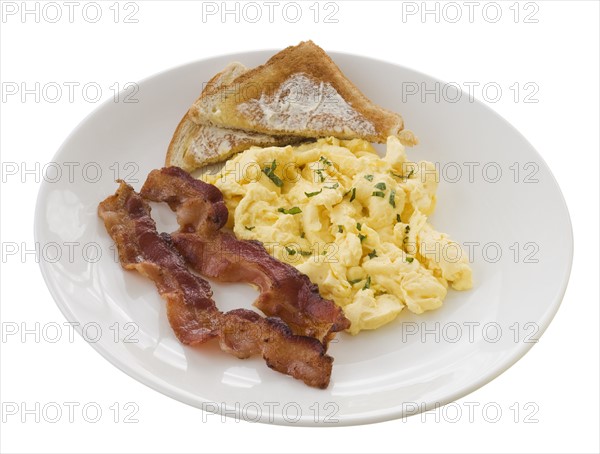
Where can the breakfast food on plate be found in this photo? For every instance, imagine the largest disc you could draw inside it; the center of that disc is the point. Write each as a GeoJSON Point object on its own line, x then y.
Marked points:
{"type": "Point", "coordinates": [192, 313]}
{"type": "Point", "coordinates": [353, 222]}
{"type": "Point", "coordinates": [334, 236]}
{"type": "Point", "coordinates": [298, 95]}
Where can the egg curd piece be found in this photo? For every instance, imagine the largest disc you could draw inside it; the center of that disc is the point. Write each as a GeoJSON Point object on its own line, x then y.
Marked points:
{"type": "Point", "coordinates": [353, 222]}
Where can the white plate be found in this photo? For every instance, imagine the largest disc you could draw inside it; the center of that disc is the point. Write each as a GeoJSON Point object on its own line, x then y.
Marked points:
{"type": "Point", "coordinates": [413, 364]}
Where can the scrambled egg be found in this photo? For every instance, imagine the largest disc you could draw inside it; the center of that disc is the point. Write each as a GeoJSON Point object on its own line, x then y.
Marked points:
{"type": "Point", "coordinates": [353, 222]}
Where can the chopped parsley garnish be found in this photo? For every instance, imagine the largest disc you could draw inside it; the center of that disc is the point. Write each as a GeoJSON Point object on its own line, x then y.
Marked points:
{"type": "Point", "coordinates": [398, 218]}
{"type": "Point", "coordinates": [325, 161]}
{"type": "Point", "coordinates": [249, 228]}
{"type": "Point", "coordinates": [381, 186]}
{"type": "Point", "coordinates": [320, 173]}
{"type": "Point", "coordinates": [302, 235]}
{"type": "Point", "coordinates": [335, 186]}
{"type": "Point", "coordinates": [304, 253]}
{"type": "Point", "coordinates": [407, 229]}
{"type": "Point", "coordinates": [293, 210]}
{"type": "Point", "coordinates": [270, 172]}
{"type": "Point", "coordinates": [290, 251]}
{"type": "Point", "coordinates": [354, 281]}
{"type": "Point", "coordinates": [340, 229]}
{"type": "Point", "coordinates": [369, 177]}
{"type": "Point", "coordinates": [368, 283]}
{"type": "Point", "coordinates": [372, 254]}
{"type": "Point", "coordinates": [378, 194]}
{"type": "Point", "coordinates": [361, 237]}
{"type": "Point", "coordinates": [358, 226]}
{"type": "Point", "coordinates": [393, 198]}
{"type": "Point", "coordinates": [312, 194]}
{"type": "Point", "coordinates": [353, 196]}
{"type": "Point", "coordinates": [410, 259]}
{"type": "Point", "coordinates": [403, 177]}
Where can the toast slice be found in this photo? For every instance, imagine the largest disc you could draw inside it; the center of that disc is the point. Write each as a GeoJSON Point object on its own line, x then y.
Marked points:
{"type": "Point", "coordinates": [196, 145]}
{"type": "Point", "coordinates": [299, 91]}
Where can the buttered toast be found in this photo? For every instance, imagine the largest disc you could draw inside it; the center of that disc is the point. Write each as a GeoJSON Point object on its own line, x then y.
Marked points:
{"type": "Point", "coordinates": [300, 92]}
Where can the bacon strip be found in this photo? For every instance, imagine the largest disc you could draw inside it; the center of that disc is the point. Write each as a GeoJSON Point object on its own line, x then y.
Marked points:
{"type": "Point", "coordinates": [199, 206]}
{"type": "Point", "coordinates": [285, 292]}
{"type": "Point", "coordinates": [192, 313]}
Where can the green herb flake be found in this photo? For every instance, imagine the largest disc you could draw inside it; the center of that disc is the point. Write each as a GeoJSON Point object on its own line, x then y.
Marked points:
{"type": "Point", "coordinates": [361, 237]}
{"type": "Point", "coordinates": [302, 235]}
{"type": "Point", "coordinates": [340, 229]}
{"type": "Point", "coordinates": [354, 281]}
{"type": "Point", "coordinates": [369, 177]}
{"type": "Point", "coordinates": [312, 194]}
{"type": "Point", "coordinates": [368, 283]}
{"type": "Point", "coordinates": [304, 253]}
{"type": "Point", "coordinates": [270, 172]}
{"type": "Point", "coordinates": [392, 199]}
{"type": "Point", "coordinates": [398, 218]}
{"type": "Point", "coordinates": [249, 228]}
{"type": "Point", "coordinates": [294, 210]}
{"type": "Point", "coordinates": [290, 251]}
{"type": "Point", "coordinates": [404, 177]}
{"type": "Point", "coordinates": [378, 194]}
{"type": "Point", "coordinates": [372, 254]}
{"type": "Point", "coordinates": [325, 161]}
{"type": "Point", "coordinates": [381, 186]}
{"type": "Point", "coordinates": [353, 196]}
{"type": "Point", "coordinates": [320, 173]}
{"type": "Point", "coordinates": [358, 226]}
{"type": "Point", "coordinates": [335, 186]}
{"type": "Point", "coordinates": [410, 259]}
{"type": "Point", "coordinates": [407, 229]}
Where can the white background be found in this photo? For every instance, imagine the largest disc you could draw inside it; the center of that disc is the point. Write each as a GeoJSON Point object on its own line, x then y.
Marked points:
{"type": "Point", "coordinates": [559, 53]}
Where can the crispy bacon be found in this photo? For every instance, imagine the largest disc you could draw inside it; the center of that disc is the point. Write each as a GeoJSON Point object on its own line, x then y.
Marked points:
{"type": "Point", "coordinates": [285, 292]}
{"type": "Point", "coordinates": [192, 313]}
{"type": "Point", "coordinates": [199, 206]}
